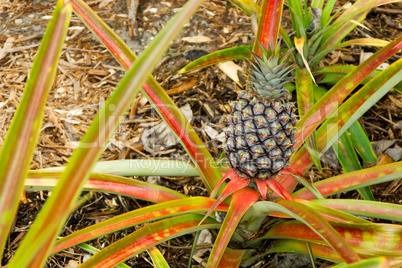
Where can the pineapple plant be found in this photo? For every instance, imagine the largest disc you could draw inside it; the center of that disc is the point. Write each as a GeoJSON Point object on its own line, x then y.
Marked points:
{"type": "Point", "coordinates": [320, 225]}
{"type": "Point", "coordinates": [262, 123]}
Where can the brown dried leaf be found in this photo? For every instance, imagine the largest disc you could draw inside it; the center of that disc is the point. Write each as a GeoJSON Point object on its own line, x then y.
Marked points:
{"type": "Point", "coordinates": [181, 87]}
{"type": "Point", "coordinates": [231, 69]}
{"type": "Point", "coordinates": [6, 47]}
{"type": "Point", "coordinates": [98, 72]}
{"type": "Point", "coordinates": [384, 159]}
{"type": "Point", "coordinates": [197, 39]}
{"type": "Point", "coordinates": [23, 197]}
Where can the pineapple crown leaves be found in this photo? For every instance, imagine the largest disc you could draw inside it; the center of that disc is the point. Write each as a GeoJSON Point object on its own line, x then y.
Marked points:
{"type": "Point", "coordinates": [269, 74]}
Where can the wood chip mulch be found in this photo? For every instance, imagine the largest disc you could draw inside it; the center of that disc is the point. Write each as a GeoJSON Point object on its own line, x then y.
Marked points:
{"type": "Point", "coordinates": [87, 74]}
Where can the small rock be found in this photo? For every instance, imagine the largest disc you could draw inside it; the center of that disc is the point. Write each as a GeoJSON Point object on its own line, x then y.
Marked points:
{"type": "Point", "coordinates": [382, 145]}
{"type": "Point", "coordinates": [213, 134]}
{"type": "Point", "coordinates": [194, 54]}
{"type": "Point", "coordinates": [85, 258]}
{"type": "Point", "coordinates": [204, 238]}
{"type": "Point", "coordinates": [154, 179]}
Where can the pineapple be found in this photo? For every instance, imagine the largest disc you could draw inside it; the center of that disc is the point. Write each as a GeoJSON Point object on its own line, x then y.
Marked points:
{"type": "Point", "coordinates": [260, 136]}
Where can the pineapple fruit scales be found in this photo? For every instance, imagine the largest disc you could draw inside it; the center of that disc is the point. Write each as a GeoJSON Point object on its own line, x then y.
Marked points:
{"type": "Point", "coordinates": [262, 123]}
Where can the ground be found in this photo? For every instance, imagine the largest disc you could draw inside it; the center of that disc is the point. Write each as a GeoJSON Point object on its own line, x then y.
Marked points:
{"type": "Point", "coordinates": [87, 74]}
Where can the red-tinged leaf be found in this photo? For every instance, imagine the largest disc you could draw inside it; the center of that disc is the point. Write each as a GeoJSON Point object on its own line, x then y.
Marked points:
{"type": "Point", "coordinates": [348, 114]}
{"type": "Point", "coordinates": [367, 239]}
{"type": "Point", "coordinates": [379, 262]}
{"type": "Point", "coordinates": [240, 203]}
{"type": "Point", "coordinates": [235, 184]}
{"type": "Point", "coordinates": [138, 216]}
{"type": "Point", "coordinates": [350, 111]}
{"type": "Point", "coordinates": [304, 90]}
{"type": "Point", "coordinates": [47, 180]}
{"type": "Point", "coordinates": [323, 229]}
{"type": "Point", "coordinates": [357, 12]}
{"type": "Point", "coordinates": [339, 71]}
{"type": "Point", "coordinates": [94, 250]}
{"type": "Point", "coordinates": [328, 213]}
{"type": "Point", "coordinates": [345, 150]}
{"type": "Point", "coordinates": [287, 181]}
{"type": "Point", "coordinates": [232, 258]}
{"type": "Point", "coordinates": [233, 53]}
{"type": "Point", "coordinates": [301, 162]}
{"type": "Point", "coordinates": [327, 104]}
{"type": "Point", "coordinates": [18, 147]}
{"type": "Point", "coordinates": [358, 104]}
{"type": "Point", "coordinates": [296, 246]}
{"type": "Point", "coordinates": [269, 23]}
{"type": "Point", "coordinates": [146, 237]}
{"type": "Point", "coordinates": [278, 189]}
{"type": "Point", "coordinates": [41, 255]}
{"type": "Point", "coordinates": [262, 188]}
{"type": "Point", "coordinates": [311, 220]}
{"type": "Point", "coordinates": [354, 42]}
{"type": "Point", "coordinates": [305, 100]}
{"type": "Point", "coordinates": [333, 78]}
{"type": "Point", "coordinates": [228, 175]}
{"type": "Point", "coordinates": [354, 180]}
{"type": "Point", "coordinates": [364, 208]}
{"type": "Point", "coordinates": [57, 207]}
{"type": "Point", "coordinates": [373, 42]}
{"type": "Point", "coordinates": [160, 100]}
{"type": "Point", "coordinates": [302, 180]}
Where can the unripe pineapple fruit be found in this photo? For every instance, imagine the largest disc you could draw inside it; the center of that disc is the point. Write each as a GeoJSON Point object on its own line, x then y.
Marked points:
{"type": "Point", "coordinates": [260, 136]}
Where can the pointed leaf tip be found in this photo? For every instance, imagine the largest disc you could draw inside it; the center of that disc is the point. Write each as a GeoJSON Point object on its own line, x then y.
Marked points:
{"type": "Point", "coordinates": [234, 185]}
{"type": "Point", "coordinates": [299, 44]}
{"type": "Point", "coordinates": [242, 200]}
{"type": "Point", "coordinates": [277, 188]}
{"type": "Point", "coordinates": [263, 188]}
{"type": "Point", "coordinates": [230, 174]}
